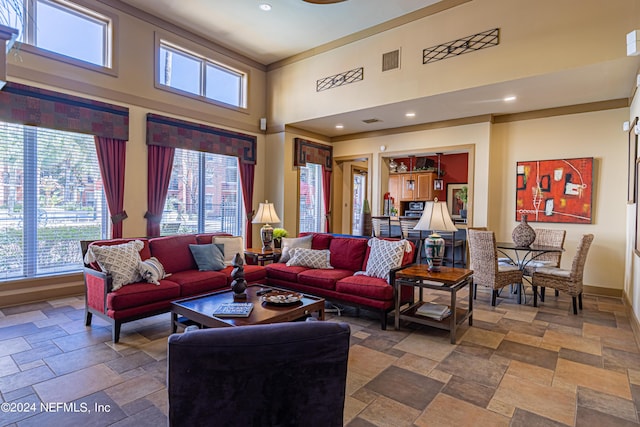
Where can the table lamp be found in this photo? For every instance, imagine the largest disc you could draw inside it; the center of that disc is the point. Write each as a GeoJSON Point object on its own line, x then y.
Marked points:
{"type": "Point", "coordinates": [266, 214]}
{"type": "Point", "coordinates": [435, 217]}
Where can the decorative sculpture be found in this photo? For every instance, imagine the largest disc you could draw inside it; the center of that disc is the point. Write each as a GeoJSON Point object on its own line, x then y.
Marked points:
{"type": "Point", "coordinates": [238, 284]}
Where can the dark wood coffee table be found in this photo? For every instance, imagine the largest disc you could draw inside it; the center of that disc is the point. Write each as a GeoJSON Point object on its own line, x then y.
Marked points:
{"type": "Point", "coordinates": [199, 309]}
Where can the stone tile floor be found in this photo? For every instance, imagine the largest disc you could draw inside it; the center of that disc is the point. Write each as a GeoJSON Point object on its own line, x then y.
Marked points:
{"type": "Point", "coordinates": [517, 366]}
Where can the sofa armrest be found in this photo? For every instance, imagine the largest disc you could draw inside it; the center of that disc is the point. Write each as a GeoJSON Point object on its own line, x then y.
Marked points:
{"type": "Point", "coordinates": [98, 284]}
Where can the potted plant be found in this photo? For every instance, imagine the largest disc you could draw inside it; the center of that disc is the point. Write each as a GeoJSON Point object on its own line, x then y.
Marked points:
{"type": "Point", "coordinates": [278, 234]}
{"type": "Point", "coordinates": [462, 195]}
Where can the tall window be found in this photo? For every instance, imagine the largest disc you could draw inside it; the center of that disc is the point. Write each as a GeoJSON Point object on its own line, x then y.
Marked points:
{"type": "Point", "coordinates": [194, 74]}
{"type": "Point", "coordinates": [204, 195]}
{"type": "Point", "coordinates": [311, 200]}
{"type": "Point", "coordinates": [63, 28]}
{"type": "Point", "coordinates": [51, 196]}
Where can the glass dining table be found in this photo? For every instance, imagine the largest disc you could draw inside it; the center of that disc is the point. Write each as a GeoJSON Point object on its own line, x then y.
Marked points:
{"type": "Point", "coordinates": [522, 256]}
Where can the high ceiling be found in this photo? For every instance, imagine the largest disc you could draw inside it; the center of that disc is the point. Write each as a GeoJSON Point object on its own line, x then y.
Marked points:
{"type": "Point", "coordinates": [290, 27]}
{"type": "Point", "coordinates": [295, 26]}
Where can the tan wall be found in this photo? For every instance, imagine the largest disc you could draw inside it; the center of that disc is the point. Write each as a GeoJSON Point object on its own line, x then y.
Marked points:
{"type": "Point", "coordinates": [556, 36]}
{"type": "Point", "coordinates": [598, 135]}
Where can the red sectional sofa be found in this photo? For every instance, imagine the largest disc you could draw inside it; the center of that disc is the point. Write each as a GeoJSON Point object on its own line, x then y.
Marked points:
{"type": "Point", "coordinates": [348, 255]}
{"type": "Point", "coordinates": [138, 300]}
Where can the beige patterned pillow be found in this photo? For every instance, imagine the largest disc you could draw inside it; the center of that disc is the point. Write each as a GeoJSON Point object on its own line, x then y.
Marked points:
{"type": "Point", "coordinates": [311, 258]}
{"type": "Point", "coordinates": [121, 261]}
{"type": "Point", "coordinates": [383, 256]}
{"type": "Point", "coordinates": [152, 270]}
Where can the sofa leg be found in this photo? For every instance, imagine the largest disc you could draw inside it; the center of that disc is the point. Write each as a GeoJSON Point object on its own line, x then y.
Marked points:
{"type": "Point", "coordinates": [88, 316]}
{"type": "Point", "coordinates": [115, 332]}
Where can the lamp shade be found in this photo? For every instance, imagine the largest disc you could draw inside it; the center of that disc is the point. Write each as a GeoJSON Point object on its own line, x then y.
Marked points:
{"type": "Point", "coordinates": [266, 214]}
{"type": "Point", "coordinates": [435, 217]}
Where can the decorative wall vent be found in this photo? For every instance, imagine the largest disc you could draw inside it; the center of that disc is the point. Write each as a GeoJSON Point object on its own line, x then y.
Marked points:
{"type": "Point", "coordinates": [464, 45]}
{"type": "Point", "coordinates": [391, 60]}
{"type": "Point", "coordinates": [369, 121]}
{"type": "Point", "coordinates": [340, 79]}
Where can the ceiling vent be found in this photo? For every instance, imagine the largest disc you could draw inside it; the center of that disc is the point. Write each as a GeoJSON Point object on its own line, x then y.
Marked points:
{"type": "Point", "coordinates": [369, 121]}
{"type": "Point", "coordinates": [391, 60]}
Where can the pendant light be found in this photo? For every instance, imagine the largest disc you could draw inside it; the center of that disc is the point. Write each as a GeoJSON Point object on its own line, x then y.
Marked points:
{"type": "Point", "coordinates": [438, 184]}
{"type": "Point", "coordinates": [411, 183]}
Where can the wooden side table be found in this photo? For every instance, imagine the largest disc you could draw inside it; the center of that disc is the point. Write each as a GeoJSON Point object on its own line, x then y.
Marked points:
{"type": "Point", "coordinates": [448, 279]}
{"type": "Point", "coordinates": [260, 257]}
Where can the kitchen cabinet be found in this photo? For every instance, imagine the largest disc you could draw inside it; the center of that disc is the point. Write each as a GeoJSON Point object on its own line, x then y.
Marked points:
{"type": "Point", "coordinates": [401, 190]}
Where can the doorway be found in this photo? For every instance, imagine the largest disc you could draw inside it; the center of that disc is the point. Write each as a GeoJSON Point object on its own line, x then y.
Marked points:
{"type": "Point", "coordinates": [358, 196]}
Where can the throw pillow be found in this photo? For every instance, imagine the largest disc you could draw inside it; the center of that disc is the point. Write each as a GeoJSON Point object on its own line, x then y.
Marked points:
{"type": "Point", "coordinates": [384, 255]}
{"type": "Point", "coordinates": [232, 246]}
{"type": "Point", "coordinates": [121, 261]}
{"type": "Point", "coordinates": [152, 270]}
{"type": "Point", "coordinates": [311, 258]}
{"type": "Point", "coordinates": [289, 243]}
{"type": "Point", "coordinates": [208, 257]}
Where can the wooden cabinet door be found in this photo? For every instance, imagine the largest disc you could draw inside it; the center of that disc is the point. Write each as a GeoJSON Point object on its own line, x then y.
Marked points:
{"type": "Point", "coordinates": [424, 186]}
{"type": "Point", "coordinates": [394, 190]}
{"type": "Point", "coordinates": [407, 191]}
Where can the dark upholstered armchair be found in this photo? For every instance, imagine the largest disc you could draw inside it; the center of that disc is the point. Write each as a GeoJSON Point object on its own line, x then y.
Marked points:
{"type": "Point", "coordinates": [283, 374]}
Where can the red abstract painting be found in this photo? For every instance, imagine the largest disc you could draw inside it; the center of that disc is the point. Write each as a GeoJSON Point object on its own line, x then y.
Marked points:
{"type": "Point", "coordinates": [555, 190]}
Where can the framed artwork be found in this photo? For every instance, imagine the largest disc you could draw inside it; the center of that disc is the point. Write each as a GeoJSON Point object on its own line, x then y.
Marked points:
{"type": "Point", "coordinates": [633, 154]}
{"type": "Point", "coordinates": [555, 190]}
{"type": "Point", "coordinates": [454, 203]}
{"type": "Point", "coordinates": [637, 183]}
{"type": "Point", "coordinates": [438, 184]}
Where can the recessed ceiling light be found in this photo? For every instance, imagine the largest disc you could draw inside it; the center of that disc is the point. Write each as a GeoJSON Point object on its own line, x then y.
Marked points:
{"type": "Point", "coordinates": [339, 126]}
{"type": "Point", "coordinates": [509, 98]}
{"type": "Point", "coordinates": [410, 114]}
{"type": "Point", "coordinates": [265, 6]}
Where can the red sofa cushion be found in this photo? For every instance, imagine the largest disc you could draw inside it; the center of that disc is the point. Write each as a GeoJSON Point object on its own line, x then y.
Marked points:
{"type": "Point", "coordinates": [193, 282]}
{"type": "Point", "coordinates": [321, 278]}
{"type": "Point", "coordinates": [173, 252]}
{"type": "Point", "coordinates": [348, 253]}
{"type": "Point", "coordinates": [252, 273]}
{"type": "Point", "coordinates": [320, 240]}
{"type": "Point", "coordinates": [142, 293]}
{"type": "Point", "coordinates": [281, 271]}
{"type": "Point", "coordinates": [365, 286]}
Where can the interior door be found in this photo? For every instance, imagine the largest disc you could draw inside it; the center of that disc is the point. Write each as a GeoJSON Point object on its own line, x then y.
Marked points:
{"type": "Point", "coordinates": [358, 194]}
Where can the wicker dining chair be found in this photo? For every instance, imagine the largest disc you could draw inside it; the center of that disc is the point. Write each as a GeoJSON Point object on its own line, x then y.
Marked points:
{"type": "Point", "coordinates": [407, 232]}
{"type": "Point", "coordinates": [483, 255]}
{"type": "Point", "coordinates": [569, 281]}
{"type": "Point", "coordinates": [546, 237]}
{"type": "Point", "coordinates": [381, 226]}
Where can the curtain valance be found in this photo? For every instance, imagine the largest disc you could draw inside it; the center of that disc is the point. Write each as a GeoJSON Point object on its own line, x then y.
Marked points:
{"type": "Point", "coordinates": [33, 106]}
{"type": "Point", "coordinates": [312, 152]}
{"type": "Point", "coordinates": [169, 132]}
